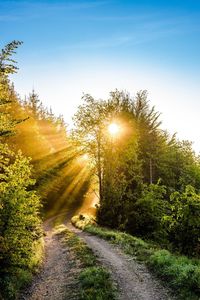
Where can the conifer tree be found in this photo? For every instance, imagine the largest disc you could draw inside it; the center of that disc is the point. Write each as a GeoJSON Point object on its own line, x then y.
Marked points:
{"type": "Point", "coordinates": [20, 224]}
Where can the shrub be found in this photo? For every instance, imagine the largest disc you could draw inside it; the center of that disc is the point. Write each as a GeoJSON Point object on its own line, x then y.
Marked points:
{"type": "Point", "coordinates": [80, 221]}
{"type": "Point", "coordinates": [20, 224]}
{"type": "Point", "coordinates": [184, 221]}
{"type": "Point", "coordinates": [147, 213]}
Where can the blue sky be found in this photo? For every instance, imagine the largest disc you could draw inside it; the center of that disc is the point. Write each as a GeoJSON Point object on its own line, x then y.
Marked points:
{"type": "Point", "coordinates": [76, 47]}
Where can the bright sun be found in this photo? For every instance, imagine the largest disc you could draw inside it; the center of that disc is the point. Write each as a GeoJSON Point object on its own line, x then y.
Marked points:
{"type": "Point", "coordinates": [85, 156]}
{"type": "Point", "coordinates": [113, 128]}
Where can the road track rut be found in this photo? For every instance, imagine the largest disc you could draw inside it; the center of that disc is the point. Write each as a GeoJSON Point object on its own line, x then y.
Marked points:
{"type": "Point", "coordinates": [58, 277]}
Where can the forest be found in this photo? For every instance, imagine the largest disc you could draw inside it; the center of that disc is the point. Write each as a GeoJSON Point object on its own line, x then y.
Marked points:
{"type": "Point", "coordinates": [146, 181]}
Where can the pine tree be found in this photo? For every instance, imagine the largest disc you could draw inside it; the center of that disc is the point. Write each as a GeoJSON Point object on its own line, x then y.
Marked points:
{"type": "Point", "coordinates": [20, 224]}
{"type": "Point", "coordinates": [7, 66]}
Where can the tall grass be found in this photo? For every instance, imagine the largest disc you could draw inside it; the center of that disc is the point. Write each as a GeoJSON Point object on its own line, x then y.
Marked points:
{"type": "Point", "coordinates": [181, 273]}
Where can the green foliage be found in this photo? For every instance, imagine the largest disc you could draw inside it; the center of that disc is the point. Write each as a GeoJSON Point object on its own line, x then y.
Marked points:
{"type": "Point", "coordinates": [7, 66]}
{"type": "Point", "coordinates": [127, 166]}
{"type": "Point", "coordinates": [42, 137]}
{"type": "Point", "coordinates": [184, 221]}
{"type": "Point", "coordinates": [129, 244]}
{"type": "Point", "coordinates": [95, 284]}
{"type": "Point", "coordinates": [179, 166]}
{"type": "Point", "coordinates": [16, 278]}
{"type": "Point", "coordinates": [150, 136]}
{"type": "Point", "coordinates": [121, 182]}
{"type": "Point", "coordinates": [89, 133]}
{"type": "Point", "coordinates": [181, 273]}
{"type": "Point", "coordinates": [13, 282]}
{"type": "Point", "coordinates": [80, 249]}
{"type": "Point", "coordinates": [20, 224]}
{"type": "Point", "coordinates": [148, 212]}
{"type": "Point", "coordinates": [82, 220]}
{"type": "Point", "coordinates": [130, 164]}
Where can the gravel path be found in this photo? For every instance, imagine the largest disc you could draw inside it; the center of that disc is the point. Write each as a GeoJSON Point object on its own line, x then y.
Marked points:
{"type": "Point", "coordinates": [57, 278]}
{"type": "Point", "coordinates": [133, 279]}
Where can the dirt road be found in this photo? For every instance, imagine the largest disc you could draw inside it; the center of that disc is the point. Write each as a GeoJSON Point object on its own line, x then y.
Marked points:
{"type": "Point", "coordinates": [133, 279]}
{"type": "Point", "coordinates": [57, 279]}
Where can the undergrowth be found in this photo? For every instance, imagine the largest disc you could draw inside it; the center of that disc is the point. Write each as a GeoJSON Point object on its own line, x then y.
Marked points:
{"type": "Point", "coordinates": [17, 278]}
{"type": "Point", "coordinates": [180, 273]}
{"type": "Point", "coordinates": [81, 221]}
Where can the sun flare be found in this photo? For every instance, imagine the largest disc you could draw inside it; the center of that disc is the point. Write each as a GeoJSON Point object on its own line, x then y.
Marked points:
{"type": "Point", "coordinates": [113, 128]}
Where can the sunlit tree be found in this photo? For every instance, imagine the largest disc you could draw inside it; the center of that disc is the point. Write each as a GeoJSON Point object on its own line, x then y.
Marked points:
{"type": "Point", "coordinates": [20, 224]}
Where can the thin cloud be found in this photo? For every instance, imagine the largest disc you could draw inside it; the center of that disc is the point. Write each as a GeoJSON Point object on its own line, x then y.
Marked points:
{"type": "Point", "coordinates": [140, 33]}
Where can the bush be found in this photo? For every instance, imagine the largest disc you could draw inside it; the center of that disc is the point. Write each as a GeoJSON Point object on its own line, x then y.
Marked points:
{"type": "Point", "coordinates": [20, 224]}
{"type": "Point", "coordinates": [147, 213]}
{"type": "Point", "coordinates": [80, 221]}
{"type": "Point", "coordinates": [184, 221]}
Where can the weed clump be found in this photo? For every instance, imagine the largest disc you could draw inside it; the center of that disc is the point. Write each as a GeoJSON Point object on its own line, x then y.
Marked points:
{"type": "Point", "coordinates": [81, 221]}
{"type": "Point", "coordinates": [95, 284]}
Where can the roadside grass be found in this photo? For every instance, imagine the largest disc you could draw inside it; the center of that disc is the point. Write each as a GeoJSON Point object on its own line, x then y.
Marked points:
{"type": "Point", "coordinates": [17, 277]}
{"type": "Point", "coordinates": [95, 284]}
{"type": "Point", "coordinates": [81, 221]}
{"type": "Point", "coordinates": [94, 280]}
{"type": "Point", "coordinates": [38, 255]}
{"type": "Point", "coordinates": [131, 245]}
{"type": "Point", "coordinates": [180, 273]}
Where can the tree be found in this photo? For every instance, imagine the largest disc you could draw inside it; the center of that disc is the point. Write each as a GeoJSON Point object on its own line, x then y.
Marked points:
{"type": "Point", "coordinates": [90, 124]}
{"type": "Point", "coordinates": [33, 104]}
{"type": "Point", "coordinates": [139, 169]}
{"type": "Point", "coordinates": [183, 222]}
{"type": "Point", "coordinates": [7, 66]}
{"type": "Point", "coordinates": [150, 136]}
{"type": "Point", "coordinates": [148, 211]}
{"type": "Point", "coordinates": [20, 224]}
{"type": "Point", "coordinates": [110, 156]}
{"type": "Point", "coordinates": [178, 166]}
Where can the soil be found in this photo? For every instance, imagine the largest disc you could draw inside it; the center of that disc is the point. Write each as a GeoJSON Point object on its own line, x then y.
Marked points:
{"type": "Point", "coordinates": [57, 279]}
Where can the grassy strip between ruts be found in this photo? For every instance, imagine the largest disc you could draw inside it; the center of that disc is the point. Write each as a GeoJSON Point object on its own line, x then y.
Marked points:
{"type": "Point", "coordinates": [180, 273]}
{"type": "Point", "coordinates": [94, 280]}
